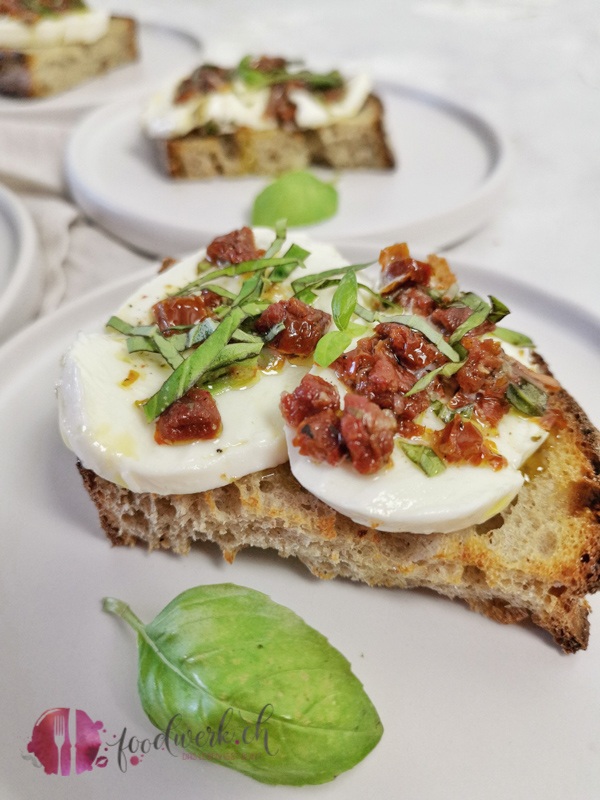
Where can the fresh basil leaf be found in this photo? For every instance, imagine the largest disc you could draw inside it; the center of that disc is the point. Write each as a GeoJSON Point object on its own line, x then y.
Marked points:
{"type": "Point", "coordinates": [299, 196]}
{"type": "Point", "coordinates": [287, 704]}
{"type": "Point", "coordinates": [527, 398]}
{"type": "Point", "coordinates": [344, 300]}
{"type": "Point", "coordinates": [513, 337]}
{"type": "Point", "coordinates": [445, 370]}
{"type": "Point", "coordinates": [424, 457]}
{"type": "Point", "coordinates": [331, 346]}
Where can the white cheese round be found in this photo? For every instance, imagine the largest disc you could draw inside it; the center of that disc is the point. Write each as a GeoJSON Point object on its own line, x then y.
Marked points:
{"type": "Point", "coordinates": [102, 423]}
{"type": "Point", "coordinates": [73, 27]}
{"type": "Point", "coordinates": [238, 106]}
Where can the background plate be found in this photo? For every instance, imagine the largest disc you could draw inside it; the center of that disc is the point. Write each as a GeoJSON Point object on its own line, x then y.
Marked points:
{"type": "Point", "coordinates": [20, 270]}
{"type": "Point", "coordinates": [470, 708]}
{"type": "Point", "coordinates": [452, 170]}
{"type": "Point", "coordinates": [164, 51]}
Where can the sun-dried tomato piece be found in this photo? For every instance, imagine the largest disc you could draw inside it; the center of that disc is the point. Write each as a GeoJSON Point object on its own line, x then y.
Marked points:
{"type": "Point", "coordinates": [234, 247]}
{"type": "Point", "coordinates": [194, 416]}
{"type": "Point", "coordinates": [188, 310]}
{"type": "Point", "coordinates": [313, 394]}
{"type": "Point", "coordinates": [368, 433]}
{"type": "Point", "coordinates": [461, 441]}
{"type": "Point", "coordinates": [399, 270]}
{"type": "Point", "coordinates": [414, 301]}
{"type": "Point", "coordinates": [409, 346]}
{"type": "Point", "coordinates": [318, 437]}
{"type": "Point", "coordinates": [482, 370]}
{"type": "Point", "coordinates": [203, 80]}
{"type": "Point", "coordinates": [303, 326]}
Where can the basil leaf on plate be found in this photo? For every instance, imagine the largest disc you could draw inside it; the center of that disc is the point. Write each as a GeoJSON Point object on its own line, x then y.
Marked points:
{"type": "Point", "coordinates": [230, 659]}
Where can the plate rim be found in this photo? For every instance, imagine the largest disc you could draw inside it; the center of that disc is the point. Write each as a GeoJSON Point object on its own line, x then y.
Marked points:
{"type": "Point", "coordinates": [20, 299]}
{"type": "Point", "coordinates": [452, 224]}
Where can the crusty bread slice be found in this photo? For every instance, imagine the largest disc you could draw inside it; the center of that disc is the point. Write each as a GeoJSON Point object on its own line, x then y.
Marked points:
{"type": "Point", "coordinates": [355, 143]}
{"type": "Point", "coordinates": [536, 560]}
{"type": "Point", "coordinates": [43, 71]}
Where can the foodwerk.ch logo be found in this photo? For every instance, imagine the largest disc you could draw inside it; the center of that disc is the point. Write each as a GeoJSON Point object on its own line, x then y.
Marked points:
{"type": "Point", "coordinates": [68, 742]}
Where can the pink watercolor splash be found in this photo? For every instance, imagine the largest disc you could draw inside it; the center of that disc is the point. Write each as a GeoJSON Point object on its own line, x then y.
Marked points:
{"type": "Point", "coordinates": [58, 754]}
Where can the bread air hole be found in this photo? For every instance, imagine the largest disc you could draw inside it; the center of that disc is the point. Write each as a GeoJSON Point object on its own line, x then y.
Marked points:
{"type": "Point", "coordinates": [474, 576]}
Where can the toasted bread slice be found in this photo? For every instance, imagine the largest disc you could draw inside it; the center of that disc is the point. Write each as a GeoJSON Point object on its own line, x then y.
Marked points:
{"type": "Point", "coordinates": [354, 143]}
{"type": "Point", "coordinates": [536, 560]}
{"type": "Point", "coordinates": [43, 71]}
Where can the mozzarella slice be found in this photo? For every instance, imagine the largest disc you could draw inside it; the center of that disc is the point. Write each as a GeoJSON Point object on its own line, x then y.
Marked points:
{"type": "Point", "coordinates": [101, 385]}
{"type": "Point", "coordinates": [75, 27]}
{"type": "Point", "coordinates": [401, 497]}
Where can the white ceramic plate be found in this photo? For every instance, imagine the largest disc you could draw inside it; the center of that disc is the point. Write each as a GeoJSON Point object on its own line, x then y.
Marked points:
{"type": "Point", "coordinates": [453, 167]}
{"type": "Point", "coordinates": [470, 708]}
{"type": "Point", "coordinates": [164, 50]}
{"type": "Point", "coordinates": [20, 272]}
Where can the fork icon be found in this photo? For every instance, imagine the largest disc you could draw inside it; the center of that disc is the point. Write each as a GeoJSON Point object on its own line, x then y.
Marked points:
{"type": "Point", "coordinates": [59, 739]}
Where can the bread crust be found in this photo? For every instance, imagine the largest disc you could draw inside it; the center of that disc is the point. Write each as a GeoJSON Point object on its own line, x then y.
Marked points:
{"type": "Point", "coordinates": [356, 143]}
{"type": "Point", "coordinates": [536, 560]}
{"type": "Point", "coordinates": [40, 72]}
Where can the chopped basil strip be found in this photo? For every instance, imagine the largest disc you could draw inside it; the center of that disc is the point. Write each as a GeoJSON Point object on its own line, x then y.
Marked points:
{"type": "Point", "coordinates": [420, 324]}
{"type": "Point", "coordinates": [446, 370]}
{"type": "Point", "coordinates": [424, 457]}
{"type": "Point", "coordinates": [118, 324]}
{"type": "Point", "coordinates": [232, 271]}
{"type": "Point", "coordinates": [281, 273]}
{"type": "Point", "coordinates": [254, 309]}
{"type": "Point", "coordinates": [306, 296]}
{"type": "Point", "coordinates": [344, 300]}
{"type": "Point", "coordinates": [480, 313]}
{"type": "Point", "coordinates": [250, 291]}
{"type": "Point", "coordinates": [193, 368]}
{"type": "Point", "coordinates": [527, 398]}
{"type": "Point", "coordinates": [167, 350]}
{"type": "Point", "coordinates": [201, 331]}
{"type": "Point", "coordinates": [365, 313]}
{"type": "Point", "coordinates": [259, 79]}
{"type": "Point", "coordinates": [442, 411]}
{"type": "Point", "coordinates": [321, 277]}
{"type": "Point", "coordinates": [138, 344]}
{"type": "Point", "coordinates": [513, 337]}
{"type": "Point", "coordinates": [214, 287]}
{"type": "Point", "coordinates": [277, 243]}
{"type": "Point", "coordinates": [274, 331]}
{"type": "Point", "coordinates": [234, 353]}
{"type": "Point", "coordinates": [499, 310]}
